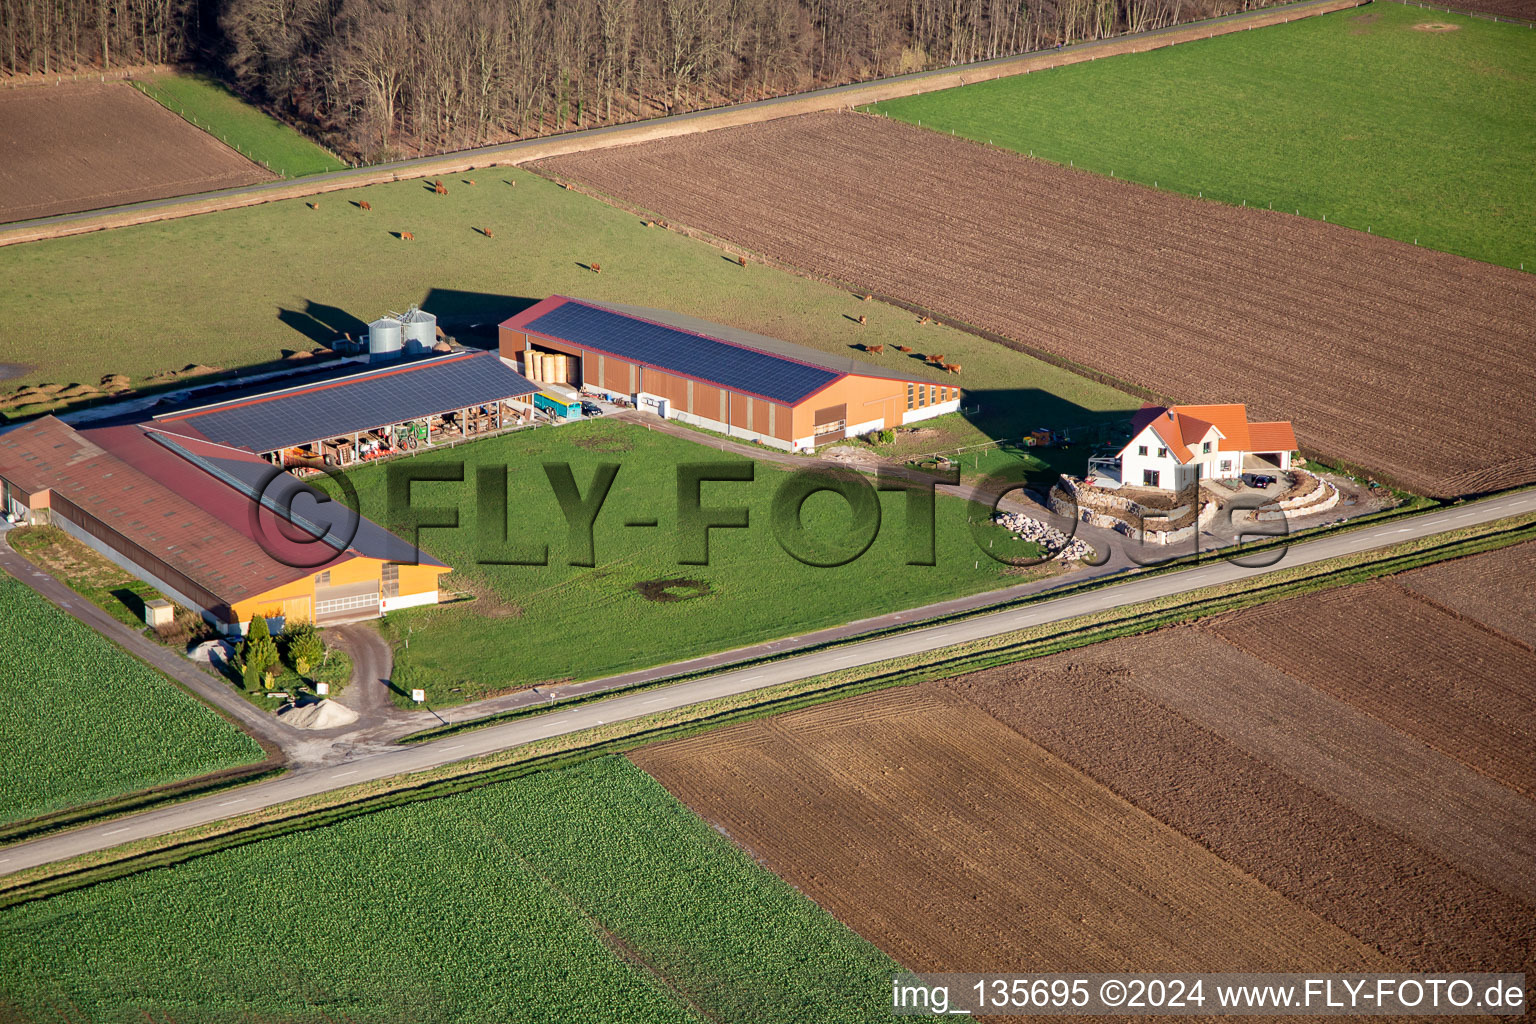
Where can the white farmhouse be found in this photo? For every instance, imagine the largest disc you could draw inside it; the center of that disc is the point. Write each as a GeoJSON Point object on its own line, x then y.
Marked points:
{"type": "Point", "coordinates": [1174, 446]}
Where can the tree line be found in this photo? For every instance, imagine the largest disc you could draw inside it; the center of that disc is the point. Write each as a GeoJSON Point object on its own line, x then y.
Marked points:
{"type": "Point", "coordinates": [378, 79]}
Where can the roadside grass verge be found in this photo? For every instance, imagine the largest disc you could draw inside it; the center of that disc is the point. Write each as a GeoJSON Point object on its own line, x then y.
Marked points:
{"type": "Point", "coordinates": [563, 751]}
{"type": "Point", "coordinates": [1360, 117]}
{"type": "Point", "coordinates": [87, 722]}
{"type": "Point", "coordinates": [585, 893]}
{"type": "Point", "coordinates": [208, 104]}
{"type": "Point", "coordinates": [644, 603]}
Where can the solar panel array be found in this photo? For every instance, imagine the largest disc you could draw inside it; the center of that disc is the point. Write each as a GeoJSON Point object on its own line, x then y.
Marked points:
{"type": "Point", "coordinates": [681, 352]}
{"type": "Point", "coordinates": [362, 402]}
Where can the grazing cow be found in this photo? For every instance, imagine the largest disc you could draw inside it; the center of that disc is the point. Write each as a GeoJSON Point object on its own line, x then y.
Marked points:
{"type": "Point", "coordinates": [922, 320]}
{"type": "Point", "coordinates": [597, 268]}
{"type": "Point", "coordinates": [937, 360]}
{"type": "Point", "coordinates": [903, 348]}
{"type": "Point", "coordinates": [953, 367]}
{"type": "Point", "coordinates": [406, 236]}
{"type": "Point", "coordinates": [863, 320]}
{"type": "Point", "coordinates": [741, 261]}
{"type": "Point", "coordinates": [875, 350]}
{"type": "Point", "coordinates": [488, 233]}
{"type": "Point", "coordinates": [441, 190]}
{"type": "Point", "coordinates": [365, 205]}
{"type": "Point", "coordinates": [313, 206]}
{"type": "Point", "coordinates": [469, 181]}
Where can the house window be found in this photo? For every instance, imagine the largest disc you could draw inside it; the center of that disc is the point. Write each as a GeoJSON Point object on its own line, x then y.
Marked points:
{"type": "Point", "coordinates": [324, 579]}
{"type": "Point", "coordinates": [1205, 449]}
{"type": "Point", "coordinates": [922, 394]}
{"type": "Point", "coordinates": [1162, 453]}
{"type": "Point", "coordinates": [1150, 477]}
{"type": "Point", "coordinates": [390, 576]}
{"type": "Point", "coordinates": [1141, 449]}
{"type": "Point", "coordinates": [933, 393]}
{"type": "Point", "coordinates": [911, 398]}
{"type": "Point", "coordinates": [1226, 465]}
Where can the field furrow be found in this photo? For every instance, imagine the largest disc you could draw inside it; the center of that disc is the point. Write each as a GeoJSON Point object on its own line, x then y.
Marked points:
{"type": "Point", "coordinates": [1370, 346]}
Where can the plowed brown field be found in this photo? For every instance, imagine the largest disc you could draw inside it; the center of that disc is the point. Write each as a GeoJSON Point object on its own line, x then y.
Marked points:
{"type": "Point", "coordinates": [66, 148]}
{"type": "Point", "coordinates": [1486, 589]}
{"type": "Point", "coordinates": [1077, 809]}
{"type": "Point", "coordinates": [1413, 363]}
{"type": "Point", "coordinates": [1443, 680]}
{"type": "Point", "coordinates": [954, 843]}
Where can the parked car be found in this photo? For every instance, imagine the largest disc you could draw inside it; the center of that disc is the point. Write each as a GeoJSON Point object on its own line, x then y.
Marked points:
{"type": "Point", "coordinates": [591, 409]}
{"type": "Point", "coordinates": [1258, 481]}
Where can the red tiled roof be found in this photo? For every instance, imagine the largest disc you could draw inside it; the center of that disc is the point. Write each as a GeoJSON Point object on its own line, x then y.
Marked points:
{"type": "Point", "coordinates": [154, 498]}
{"type": "Point", "coordinates": [1180, 426]}
{"type": "Point", "coordinates": [1273, 436]}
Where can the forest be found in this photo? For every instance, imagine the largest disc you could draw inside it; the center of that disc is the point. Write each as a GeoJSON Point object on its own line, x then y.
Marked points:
{"type": "Point", "coordinates": [383, 79]}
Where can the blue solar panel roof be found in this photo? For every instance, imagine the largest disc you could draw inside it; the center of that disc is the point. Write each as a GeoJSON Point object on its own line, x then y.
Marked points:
{"type": "Point", "coordinates": [692, 355]}
{"type": "Point", "coordinates": [360, 401]}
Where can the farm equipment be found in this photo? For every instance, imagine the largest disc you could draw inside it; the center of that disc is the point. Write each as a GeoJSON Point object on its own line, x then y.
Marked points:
{"type": "Point", "coordinates": [1044, 437]}
{"type": "Point", "coordinates": [410, 435]}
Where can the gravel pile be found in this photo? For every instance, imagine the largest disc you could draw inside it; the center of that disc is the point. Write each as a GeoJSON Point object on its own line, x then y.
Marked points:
{"type": "Point", "coordinates": [1057, 544]}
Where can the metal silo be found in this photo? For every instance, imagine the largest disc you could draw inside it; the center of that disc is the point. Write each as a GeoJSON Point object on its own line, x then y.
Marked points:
{"type": "Point", "coordinates": [419, 330]}
{"type": "Point", "coordinates": [384, 340]}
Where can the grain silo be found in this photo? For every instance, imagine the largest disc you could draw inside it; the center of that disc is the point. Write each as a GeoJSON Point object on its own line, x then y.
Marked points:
{"type": "Point", "coordinates": [384, 339]}
{"type": "Point", "coordinates": [418, 330]}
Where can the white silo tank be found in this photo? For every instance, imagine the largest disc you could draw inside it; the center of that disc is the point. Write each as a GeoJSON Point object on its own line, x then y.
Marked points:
{"type": "Point", "coordinates": [419, 331]}
{"type": "Point", "coordinates": [384, 340]}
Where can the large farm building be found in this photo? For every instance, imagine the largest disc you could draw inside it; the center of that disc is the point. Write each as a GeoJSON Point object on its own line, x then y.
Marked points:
{"type": "Point", "coordinates": [737, 383]}
{"type": "Point", "coordinates": [196, 502]}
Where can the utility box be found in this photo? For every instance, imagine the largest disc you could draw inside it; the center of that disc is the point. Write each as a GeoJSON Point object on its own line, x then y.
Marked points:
{"type": "Point", "coordinates": [159, 612]}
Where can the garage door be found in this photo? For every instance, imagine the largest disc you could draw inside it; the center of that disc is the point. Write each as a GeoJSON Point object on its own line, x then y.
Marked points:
{"type": "Point", "coordinates": [352, 601]}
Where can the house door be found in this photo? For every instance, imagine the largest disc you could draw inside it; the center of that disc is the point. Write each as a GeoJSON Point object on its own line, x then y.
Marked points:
{"type": "Point", "coordinates": [1151, 477]}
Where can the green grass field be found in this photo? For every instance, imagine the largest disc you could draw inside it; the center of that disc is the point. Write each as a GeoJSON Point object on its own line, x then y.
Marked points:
{"type": "Point", "coordinates": [210, 105]}
{"type": "Point", "coordinates": [585, 894]}
{"type": "Point", "coordinates": [240, 287]}
{"type": "Point", "coordinates": [1358, 116]}
{"type": "Point", "coordinates": [85, 722]}
{"type": "Point", "coordinates": [530, 624]}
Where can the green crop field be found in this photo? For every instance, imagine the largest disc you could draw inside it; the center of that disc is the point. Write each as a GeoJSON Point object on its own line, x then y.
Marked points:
{"type": "Point", "coordinates": [537, 623]}
{"type": "Point", "coordinates": [1361, 117]}
{"type": "Point", "coordinates": [211, 106]}
{"type": "Point", "coordinates": [240, 287]}
{"type": "Point", "coordinates": [85, 721]}
{"type": "Point", "coordinates": [586, 894]}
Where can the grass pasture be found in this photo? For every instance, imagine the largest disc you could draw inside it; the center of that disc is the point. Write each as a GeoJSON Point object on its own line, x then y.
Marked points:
{"type": "Point", "coordinates": [156, 297]}
{"type": "Point", "coordinates": [581, 894]}
{"type": "Point", "coordinates": [211, 106]}
{"type": "Point", "coordinates": [86, 722]}
{"type": "Point", "coordinates": [1362, 117]}
{"type": "Point", "coordinates": [533, 624]}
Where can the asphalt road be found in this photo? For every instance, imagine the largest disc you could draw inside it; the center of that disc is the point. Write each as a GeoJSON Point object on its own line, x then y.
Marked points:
{"type": "Point", "coordinates": [395, 761]}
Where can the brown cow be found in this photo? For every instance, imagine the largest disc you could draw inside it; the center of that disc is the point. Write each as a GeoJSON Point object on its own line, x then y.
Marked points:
{"type": "Point", "coordinates": [597, 268]}
{"type": "Point", "coordinates": [903, 348]}
{"type": "Point", "coordinates": [469, 181]}
{"type": "Point", "coordinates": [313, 206]}
{"type": "Point", "coordinates": [406, 236]}
{"type": "Point", "coordinates": [441, 190]}
{"type": "Point", "coordinates": [365, 205]}
{"type": "Point", "coordinates": [867, 298]}
{"type": "Point", "coordinates": [953, 367]}
{"type": "Point", "coordinates": [863, 320]}
{"type": "Point", "coordinates": [875, 350]}
{"type": "Point", "coordinates": [741, 261]}
{"type": "Point", "coordinates": [487, 232]}
{"type": "Point", "coordinates": [937, 360]}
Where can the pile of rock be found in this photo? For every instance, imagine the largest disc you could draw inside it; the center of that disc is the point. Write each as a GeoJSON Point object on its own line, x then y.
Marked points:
{"type": "Point", "coordinates": [1055, 543]}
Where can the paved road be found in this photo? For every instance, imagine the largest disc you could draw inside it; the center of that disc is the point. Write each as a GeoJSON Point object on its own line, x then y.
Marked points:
{"type": "Point", "coordinates": [307, 782]}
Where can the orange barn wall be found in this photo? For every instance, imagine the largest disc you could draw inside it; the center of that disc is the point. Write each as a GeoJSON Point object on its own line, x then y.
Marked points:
{"type": "Point", "coordinates": [414, 579]}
